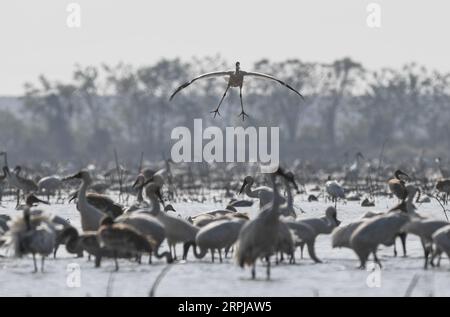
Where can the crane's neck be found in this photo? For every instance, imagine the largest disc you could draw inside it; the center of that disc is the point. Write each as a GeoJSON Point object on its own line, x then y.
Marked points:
{"type": "Point", "coordinates": [156, 209]}
{"type": "Point", "coordinates": [90, 216]}
{"type": "Point", "coordinates": [290, 198]}
{"type": "Point", "coordinates": [249, 192]}
{"type": "Point", "coordinates": [5, 156]}
{"type": "Point", "coordinates": [273, 211]}
{"type": "Point", "coordinates": [82, 192]}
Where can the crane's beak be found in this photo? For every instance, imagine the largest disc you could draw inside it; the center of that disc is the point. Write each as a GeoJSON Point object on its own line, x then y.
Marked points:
{"type": "Point", "coordinates": [70, 177]}
{"type": "Point", "coordinates": [243, 187]}
{"type": "Point", "coordinates": [42, 201]}
{"type": "Point", "coordinates": [138, 183]}
{"type": "Point", "coordinates": [148, 181]}
{"type": "Point", "coordinates": [73, 196]}
{"type": "Point", "coordinates": [404, 174]}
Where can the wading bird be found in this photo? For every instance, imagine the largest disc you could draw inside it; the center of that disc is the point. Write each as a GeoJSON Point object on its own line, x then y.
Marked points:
{"type": "Point", "coordinates": [120, 237]}
{"type": "Point", "coordinates": [258, 238]}
{"type": "Point", "coordinates": [32, 234]}
{"type": "Point", "coordinates": [19, 182]}
{"type": "Point", "coordinates": [322, 225]}
{"type": "Point", "coordinates": [424, 229]}
{"type": "Point", "coordinates": [265, 193]}
{"type": "Point", "coordinates": [441, 239]}
{"type": "Point", "coordinates": [49, 185]}
{"type": "Point", "coordinates": [177, 230]}
{"type": "Point", "coordinates": [221, 234]}
{"type": "Point", "coordinates": [101, 202]}
{"type": "Point", "coordinates": [334, 190]}
{"type": "Point", "coordinates": [397, 185]}
{"type": "Point", "coordinates": [381, 229]}
{"type": "Point", "coordinates": [90, 215]}
{"type": "Point", "coordinates": [236, 79]}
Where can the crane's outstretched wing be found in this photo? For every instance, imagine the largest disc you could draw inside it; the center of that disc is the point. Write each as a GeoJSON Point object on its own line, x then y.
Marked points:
{"type": "Point", "coordinates": [272, 78]}
{"type": "Point", "coordinates": [214, 74]}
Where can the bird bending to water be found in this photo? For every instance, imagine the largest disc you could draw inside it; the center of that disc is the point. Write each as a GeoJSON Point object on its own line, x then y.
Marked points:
{"type": "Point", "coordinates": [382, 229]}
{"type": "Point", "coordinates": [236, 79]}
{"type": "Point", "coordinates": [264, 193]}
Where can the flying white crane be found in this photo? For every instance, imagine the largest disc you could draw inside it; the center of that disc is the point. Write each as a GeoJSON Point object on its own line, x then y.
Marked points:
{"type": "Point", "coordinates": [236, 79]}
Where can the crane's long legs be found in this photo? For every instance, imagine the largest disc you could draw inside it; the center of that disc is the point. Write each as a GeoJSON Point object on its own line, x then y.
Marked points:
{"type": "Point", "coordinates": [268, 268]}
{"type": "Point", "coordinates": [216, 112]}
{"type": "Point", "coordinates": [18, 197]}
{"type": "Point", "coordinates": [243, 114]}
{"type": "Point", "coordinates": [403, 239]}
{"type": "Point", "coordinates": [115, 261]}
{"type": "Point", "coordinates": [42, 264]}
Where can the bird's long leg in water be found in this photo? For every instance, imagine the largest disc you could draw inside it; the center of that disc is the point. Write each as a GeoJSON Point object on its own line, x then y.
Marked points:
{"type": "Point", "coordinates": [42, 264]}
{"type": "Point", "coordinates": [115, 261]}
{"type": "Point", "coordinates": [174, 251]}
{"type": "Point", "coordinates": [34, 262]}
{"type": "Point", "coordinates": [216, 112]}
{"type": "Point", "coordinates": [377, 261]}
{"type": "Point", "coordinates": [243, 114]}
{"type": "Point", "coordinates": [403, 239]}
{"type": "Point", "coordinates": [18, 197]}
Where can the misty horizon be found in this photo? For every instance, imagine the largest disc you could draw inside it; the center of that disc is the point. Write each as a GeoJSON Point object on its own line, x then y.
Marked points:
{"type": "Point", "coordinates": [37, 40]}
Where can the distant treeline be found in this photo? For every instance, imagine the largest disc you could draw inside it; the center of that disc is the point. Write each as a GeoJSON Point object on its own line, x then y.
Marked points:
{"type": "Point", "coordinates": [347, 109]}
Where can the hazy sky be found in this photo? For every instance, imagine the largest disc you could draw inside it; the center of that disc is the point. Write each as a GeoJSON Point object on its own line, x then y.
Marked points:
{"type": "Point", "coordinates": [35, 38]}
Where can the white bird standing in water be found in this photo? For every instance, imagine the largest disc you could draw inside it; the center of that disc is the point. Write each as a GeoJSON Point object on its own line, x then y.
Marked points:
{"type": "Point", "coordinates": [236, 79]}
{"type": "Point", "coordinates": [90, 216]}
{"type": "Point", "coordinates": [335, 190]}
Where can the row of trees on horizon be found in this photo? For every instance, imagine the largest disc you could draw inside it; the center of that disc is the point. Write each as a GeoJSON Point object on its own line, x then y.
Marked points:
{"type": "Point", "coordinates": [347, 109]}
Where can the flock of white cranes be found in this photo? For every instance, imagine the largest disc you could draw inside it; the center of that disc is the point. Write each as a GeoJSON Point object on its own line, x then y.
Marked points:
{"type": "Point", "coordinates": [149, 225]}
